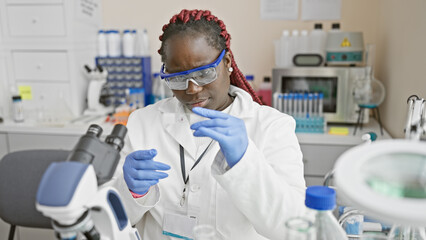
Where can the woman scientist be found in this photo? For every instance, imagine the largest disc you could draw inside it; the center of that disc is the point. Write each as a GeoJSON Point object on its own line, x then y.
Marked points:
{"type": "Point", "coordinates": [230, 162]}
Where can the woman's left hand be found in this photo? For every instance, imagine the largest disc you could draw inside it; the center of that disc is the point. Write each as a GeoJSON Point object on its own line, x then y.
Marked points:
{"type": "Point", "coordinates": [229, 131]}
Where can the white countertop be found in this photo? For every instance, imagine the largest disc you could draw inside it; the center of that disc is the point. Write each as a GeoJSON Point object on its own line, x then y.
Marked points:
{"type": "Point", "coordinates": [79, 126]}
{"type": "Point", "coordinates": [350, 139]}
{"type": "Point", "coordinates": [75, 127]}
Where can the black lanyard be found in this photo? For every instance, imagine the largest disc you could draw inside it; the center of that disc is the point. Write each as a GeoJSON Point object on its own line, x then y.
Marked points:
{"type": "Point", "coordinates": [182, 162]}
{"type": "Point", "coordinates": [182, 166]}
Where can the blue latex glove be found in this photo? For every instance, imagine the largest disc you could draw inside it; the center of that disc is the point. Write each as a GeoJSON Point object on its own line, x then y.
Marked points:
{"type": "Point", "coordinates": [140, 170]}
{"type": "Point", "coordinates": [229, 131]}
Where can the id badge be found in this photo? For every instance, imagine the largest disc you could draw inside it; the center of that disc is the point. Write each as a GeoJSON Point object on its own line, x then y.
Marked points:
{"type": "Point", "coordinates": [179, 225]}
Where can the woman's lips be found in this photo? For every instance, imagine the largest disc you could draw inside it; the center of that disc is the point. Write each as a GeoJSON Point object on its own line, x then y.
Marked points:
{"type": "Point", "coordinates": [198, 103]}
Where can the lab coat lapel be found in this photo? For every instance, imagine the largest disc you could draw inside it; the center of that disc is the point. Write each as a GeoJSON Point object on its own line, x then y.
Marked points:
{"type": "Point", "coordinates": [176, 124]}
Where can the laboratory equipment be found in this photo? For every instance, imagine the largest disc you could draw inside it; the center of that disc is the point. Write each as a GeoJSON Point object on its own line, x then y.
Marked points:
{"type": "Point", "coordinates": [18, 109]}
{"type": "Point", "coordinates": [307, 60]}
{"type": "Point", "coordinates": [125, 73]}
{"type": "Point", "coordinates": [299, 228]}
{"type": "Point", "coordinates": [321, 201]}
{"type": "Point", "coordinates": [97, 80]}
{"type": "Point", "coordinates": [416, 118]}
{"type": "Point", "coordinates": [334, 82]}
{"type": "Point", "coordinates": [344, 48]}
{"type": "Point", "coordinates": [368, 92]}
{"type": "Point", "coordinates": [72, 195]}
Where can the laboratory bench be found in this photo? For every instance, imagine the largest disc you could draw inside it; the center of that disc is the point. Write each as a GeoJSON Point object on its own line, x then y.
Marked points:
{"type": "Point", "coordinates": [320, 151]}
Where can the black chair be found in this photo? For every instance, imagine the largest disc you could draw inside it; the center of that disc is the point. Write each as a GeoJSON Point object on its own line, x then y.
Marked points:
{"type": "Point", "coordinates": [20, 175]}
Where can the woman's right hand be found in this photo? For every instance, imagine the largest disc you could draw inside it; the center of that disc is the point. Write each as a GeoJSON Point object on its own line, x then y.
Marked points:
{"type": "Point", "coordinates": [140, 170]}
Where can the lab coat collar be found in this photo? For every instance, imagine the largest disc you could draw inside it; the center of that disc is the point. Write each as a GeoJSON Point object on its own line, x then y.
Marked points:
{"type": "Point", "coordinates": [176, 123]}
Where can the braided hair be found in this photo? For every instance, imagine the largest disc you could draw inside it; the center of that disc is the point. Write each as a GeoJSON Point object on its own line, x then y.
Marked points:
{"type": "Point", "coordinates": [199, 21]}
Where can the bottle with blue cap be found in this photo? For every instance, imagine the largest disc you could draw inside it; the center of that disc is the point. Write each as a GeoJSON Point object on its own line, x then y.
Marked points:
{"type": "Point", "coordinates": [321, 201]}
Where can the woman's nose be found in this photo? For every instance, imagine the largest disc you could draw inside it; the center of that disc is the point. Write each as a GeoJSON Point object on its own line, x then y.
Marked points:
{"type": "Point", "coordinates": [193, 88]}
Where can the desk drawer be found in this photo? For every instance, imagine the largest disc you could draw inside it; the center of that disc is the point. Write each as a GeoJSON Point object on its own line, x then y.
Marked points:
{"type": "Point", "coordinates": [36, 20]}
{"type": "Point", "coordinates": [319, 159]}
{"type": "Point", "coordinates": [40, 65]}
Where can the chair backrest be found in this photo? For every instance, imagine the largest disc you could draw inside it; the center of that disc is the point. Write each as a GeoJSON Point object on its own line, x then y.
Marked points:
{"type": "Point", "coordinates": [20, 175]}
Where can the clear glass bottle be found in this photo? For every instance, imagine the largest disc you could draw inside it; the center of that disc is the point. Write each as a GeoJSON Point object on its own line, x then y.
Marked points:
{"type": "Point", "coordinates": [321, 201]}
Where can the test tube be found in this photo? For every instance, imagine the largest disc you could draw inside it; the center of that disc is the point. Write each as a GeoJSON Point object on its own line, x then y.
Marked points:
{"type": "Point", "coordinates": [279, 102]}
{"type": "Point", "coordinates": [285, 103]}
{"type": "Point", "coordinates": [320, 104]}
{"type": "Point", "coordinates": [299, 104]}
{"type": "Point", "coordinates": [290, 103]}
{"type": "Point", "coordinates": [305, 105]}
{"type": "Point", "coordinates": [315, 104]}
{"type": "Point", "coordinates": [275, 100]}
{"type": "Point", "coordinates": [310, 97]}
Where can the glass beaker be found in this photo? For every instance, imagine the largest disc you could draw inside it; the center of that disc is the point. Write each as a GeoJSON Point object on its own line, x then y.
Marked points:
{"type": "Point", "coordinates": [299, 228]}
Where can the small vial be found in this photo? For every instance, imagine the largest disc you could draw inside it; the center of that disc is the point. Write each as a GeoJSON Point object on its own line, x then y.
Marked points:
{"type": "Point", "coordinates": [18, 109]}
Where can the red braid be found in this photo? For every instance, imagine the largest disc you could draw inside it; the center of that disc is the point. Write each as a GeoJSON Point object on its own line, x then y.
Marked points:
{"type": "Point", "coordinates": [237, 77]}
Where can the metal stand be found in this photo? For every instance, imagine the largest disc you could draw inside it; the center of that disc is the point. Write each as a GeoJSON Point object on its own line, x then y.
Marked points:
{"type": "Point", "coordinates": [361, 117]}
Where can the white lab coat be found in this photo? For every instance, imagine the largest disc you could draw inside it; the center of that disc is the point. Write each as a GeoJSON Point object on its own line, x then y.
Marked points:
{"type": "Point", "coordinates": [250, 201]}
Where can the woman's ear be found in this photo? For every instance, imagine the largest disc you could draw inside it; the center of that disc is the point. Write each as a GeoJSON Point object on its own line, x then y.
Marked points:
{"type": "Point", "coordinates": [227, 59]}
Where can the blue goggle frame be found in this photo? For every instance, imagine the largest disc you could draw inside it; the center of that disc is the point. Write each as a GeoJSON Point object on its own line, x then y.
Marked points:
{"type": "Point", "coordinates": [167, 76]}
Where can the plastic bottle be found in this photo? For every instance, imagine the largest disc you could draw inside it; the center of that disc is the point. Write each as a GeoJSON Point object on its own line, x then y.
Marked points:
{"type": "Point", "coordinates": [317, 39]}
{"type": "Point", "coordinates": [102, 44]}
{"type": "Point", "coordinates": [265, 91]}
{"type": "Point", "coordinates": [304, 42]}
{"type": "Point", "coordinates": [114, 43]}
{"type": "Point", "coordinates": [321, 201]}
{"type": "Point", "coordinates": [294, 45]}
{"type": "Point", "coordinates": [18, 109]}
{"type": "Point", "coordinates": [128, 43]}
{"type": "Point", "coordinates": [142, 41]}
{"type": "Point", "coordinates": [250, 80]}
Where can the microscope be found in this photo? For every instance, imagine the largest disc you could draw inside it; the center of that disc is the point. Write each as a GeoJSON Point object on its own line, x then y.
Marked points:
{"type": "Point", "coordinates": [72, 195]}
{"type": "Point", "coordinates": [95, 98]}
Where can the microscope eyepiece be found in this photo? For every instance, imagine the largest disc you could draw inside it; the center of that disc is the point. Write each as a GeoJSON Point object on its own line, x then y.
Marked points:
{"type": "Point", "coordinates": [116, 138]}
{"type": "Point", "coordinates": [95, 130]}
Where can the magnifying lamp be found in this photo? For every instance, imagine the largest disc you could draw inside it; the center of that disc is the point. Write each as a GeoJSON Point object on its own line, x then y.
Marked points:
{"type": "Point", "coordinates": [385, 179]}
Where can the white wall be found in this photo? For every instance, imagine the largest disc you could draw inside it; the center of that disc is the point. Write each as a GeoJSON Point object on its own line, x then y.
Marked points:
{"type": "Point", "coordinates": [401, 60]}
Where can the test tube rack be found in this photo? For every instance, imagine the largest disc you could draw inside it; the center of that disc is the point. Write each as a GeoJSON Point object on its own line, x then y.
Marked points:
{"type": "Point", "coordinates": [306, 108]}
{"type": "Point", "coordinates": [127, 73]}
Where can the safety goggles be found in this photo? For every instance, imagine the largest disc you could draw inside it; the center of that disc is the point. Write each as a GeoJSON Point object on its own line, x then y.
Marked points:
{"type": "Point", "coordinates": [201, 75]}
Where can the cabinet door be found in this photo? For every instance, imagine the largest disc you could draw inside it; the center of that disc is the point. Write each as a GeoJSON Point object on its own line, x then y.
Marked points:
{"type": "Point", "coordinates": [320, 158]}
{"type": "Point", "coordinates": [36, 20]}
{"type": "Point", "coordinates": [40, 66]}
{"type": "Point", "coordinates": [18, 141]}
